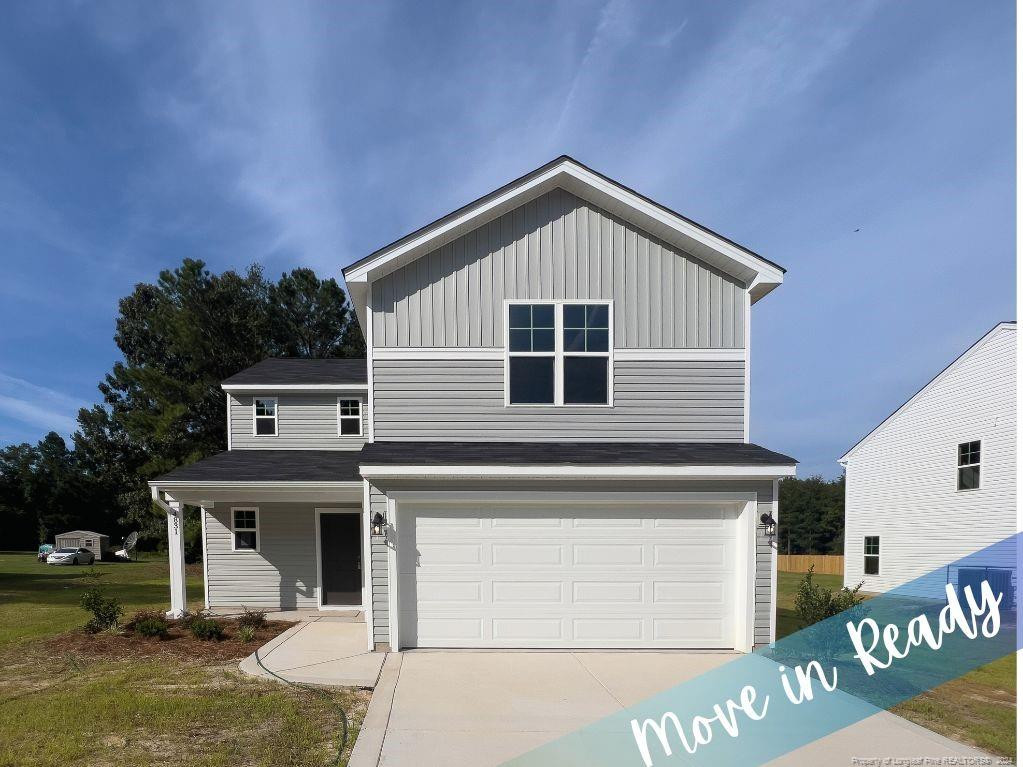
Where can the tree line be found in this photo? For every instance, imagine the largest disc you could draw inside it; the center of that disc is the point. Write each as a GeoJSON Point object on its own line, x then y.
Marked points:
{"type": "Point", "coordinates": [811, 515]}
{"type": "Point", "coordinates": [161, 404]}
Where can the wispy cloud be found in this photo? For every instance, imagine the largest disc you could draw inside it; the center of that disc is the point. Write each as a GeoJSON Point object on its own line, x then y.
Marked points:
{"type": "Point", "coordinates": [38, 406]}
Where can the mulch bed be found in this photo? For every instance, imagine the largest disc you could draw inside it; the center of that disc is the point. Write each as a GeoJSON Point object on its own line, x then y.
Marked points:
{"type": "Point", "coordinates": [179, 642]}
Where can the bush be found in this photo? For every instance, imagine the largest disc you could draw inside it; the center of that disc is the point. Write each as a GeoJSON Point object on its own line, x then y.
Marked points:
{"type": "Point", "coordinates": [206, 628]}
{"type": "Point", "coordinates": [246, 633]}
{"type": "Point", "coordinates": [815, 603]}
{"type": "Point", "coordinates": [150, 624]}
{"type": "Point", "coordinates": [254, 619]}
{"type": "Point", "coordinates": [106, 610]}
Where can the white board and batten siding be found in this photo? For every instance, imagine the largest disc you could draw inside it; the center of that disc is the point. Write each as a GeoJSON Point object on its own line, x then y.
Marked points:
{"type": "Point", "coordinates": [304, 422]}
{"type": "Point", "coordinates": [642, 525]}
{"type": "Point", "coordinates": [901, 479]}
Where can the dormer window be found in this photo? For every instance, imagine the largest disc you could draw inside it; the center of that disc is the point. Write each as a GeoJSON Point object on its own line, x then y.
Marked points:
{"type": "Point", "coordinates": [559, 353]}
{"type": "Point", "coordinates": [264, 423]}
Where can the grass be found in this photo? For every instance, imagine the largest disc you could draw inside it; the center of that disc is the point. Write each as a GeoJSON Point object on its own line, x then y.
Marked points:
{"type": "Point", "coordinates": [59, 708]}
{"type": "Point", "coordinates": [978, 709]}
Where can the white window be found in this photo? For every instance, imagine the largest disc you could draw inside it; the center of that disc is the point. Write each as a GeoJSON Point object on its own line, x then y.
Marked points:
{"type": "Point", "coordinates": [264, 416]}
{"type": "Point", "coordinates": [245, 529]}
{"type": "Point", "coordinates": [968, 472]}
{"type": "Point", "coordinates": [559, 353]}
{"type": "Point", "coordinates": [349, 417]}
{"type": "Point", "coordinates": [872, 555]}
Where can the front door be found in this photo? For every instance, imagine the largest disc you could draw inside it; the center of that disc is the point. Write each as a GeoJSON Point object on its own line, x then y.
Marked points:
{"type": "Point", "coordinates": [341, 559]}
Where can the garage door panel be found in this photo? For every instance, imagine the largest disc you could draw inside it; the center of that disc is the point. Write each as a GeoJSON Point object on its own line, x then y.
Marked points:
{"type": "Point", "coordinates": [519, 576]}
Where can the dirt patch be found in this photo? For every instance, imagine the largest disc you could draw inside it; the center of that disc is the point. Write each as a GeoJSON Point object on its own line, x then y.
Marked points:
{"type": "Point", "coordinates": [179, 642]}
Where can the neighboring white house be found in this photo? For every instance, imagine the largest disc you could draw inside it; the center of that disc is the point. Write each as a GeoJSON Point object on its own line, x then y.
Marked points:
{"type": "Point", "coordinates": [936, 480]}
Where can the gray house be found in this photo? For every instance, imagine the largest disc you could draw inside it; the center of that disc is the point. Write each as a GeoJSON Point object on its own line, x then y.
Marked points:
{"type": "Point", "coordinates": [547, 445]}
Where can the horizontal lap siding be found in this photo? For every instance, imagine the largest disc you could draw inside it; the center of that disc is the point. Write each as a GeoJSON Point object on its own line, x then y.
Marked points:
{"type": "Point", "coordinates": [558, 246]}
{"type": "Point", "coordinates": [901, 482]}
{"type": "Point", "coordinates": [281, 575]}
{"type": "Point", "coordinates": [304, 422]}
{"type": "Point", "coordinates": [763, 489]}
{"type": "Point", "coordinates": [464, 399]}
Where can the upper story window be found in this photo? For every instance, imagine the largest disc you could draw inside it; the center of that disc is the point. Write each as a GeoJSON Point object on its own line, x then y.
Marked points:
{"type": "Point", "coordinates": [559, 353]}
{"type": "Point", "coordinates": [264, 421]}
{"type": "Point", "coordinates": [872, 555]}
{"type": "Point", "coordinates": [349, 417]}
{"type": "Point", "coordinates": [968, 472]}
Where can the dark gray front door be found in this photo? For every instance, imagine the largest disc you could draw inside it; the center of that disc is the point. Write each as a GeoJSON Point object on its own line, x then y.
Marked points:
{"type": "Point", "coordinates": [341, 558]}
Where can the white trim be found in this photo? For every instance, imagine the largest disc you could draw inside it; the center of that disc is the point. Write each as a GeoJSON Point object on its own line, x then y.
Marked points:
{"type": "Point", "coordinates": [747, 346]}
{"type": "Point", "coordinates": [929, 385]}
{"type": "Point", "coordinates": [270, 485]}
{"type": "Point", "coordinates": [367, 556]}
{"type": "Point", "coordinates": [774, 565]}
{"type": "Point", "coordinates": [349, 417]}
{"type": "Point", "coordinates": [234, 530]}
{"type": "Point", "coordinates": [205, 555]}
{"type": "Point", "coordinates": [559, 352]}
{"type": "Point", "coordinates": [255, 388]}
{"type": "Point", "coordinates": [363, 565]}
{"type": "Point", "coordinates": [681, 355]}
{"type": "Point", "coordinates": [254, 416]}
{"type": "Point", "coordinates": [439, 353]}
{"type": "Point", "coordinates": [370, 354]}
{"type": "Point", "coordinates": [576, 472]}
{"type": "Point", "coordinates": [578, 180]}
{"type": "Point", "coordinates": [393, 622]}
{"type": "Point", "coordinates": [746, 503]}
{"type": "Point", "coordinates": [228, 396]}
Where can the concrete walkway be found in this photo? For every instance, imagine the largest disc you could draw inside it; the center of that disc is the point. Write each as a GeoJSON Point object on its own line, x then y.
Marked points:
{"type": "Point", "coordinates": [483, 708]}
{"type": "Point", "coordinates": [320, 650]}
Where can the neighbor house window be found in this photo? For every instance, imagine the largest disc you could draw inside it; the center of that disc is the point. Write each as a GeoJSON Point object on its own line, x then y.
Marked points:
{"type": "Point", "coordinates": [349, 417]}
{"type": "Point", "coordinates": [969, 466]}
{"type": "Point", "coordinates": [872, 555]}
{"type": "Point", "coordinates": [559, 353]}
{"type": "Point", "coordinates": [265, 416]}
{"type": "Point", "coordinates": [245, 529]}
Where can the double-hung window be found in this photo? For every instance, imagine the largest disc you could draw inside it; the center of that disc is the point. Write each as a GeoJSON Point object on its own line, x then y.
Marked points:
{"type": "Point", "coordinates": [264, 416]}
{"type": "Point", "coordinates": [349, 417]}
{"type": "Point", "coordinates": [245, 529]}
{"type": "Point", "coordinates": [871, 555]}
{"type": "Point", "coordinates": [559, 353]}
{"type": "Point", "coordinates": [968, 472]}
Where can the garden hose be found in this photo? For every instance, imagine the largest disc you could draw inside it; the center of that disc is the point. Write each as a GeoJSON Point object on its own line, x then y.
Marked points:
{"type": "Point", "coordinates": [319, 691]}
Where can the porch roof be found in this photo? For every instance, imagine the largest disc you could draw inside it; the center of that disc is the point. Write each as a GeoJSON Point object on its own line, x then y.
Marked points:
{"type": "Point", "coordinates": [261, 466]}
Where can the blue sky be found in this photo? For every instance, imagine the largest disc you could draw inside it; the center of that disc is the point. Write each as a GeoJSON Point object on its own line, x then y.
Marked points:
{"type": "Point", "coordinates": [866, 146]}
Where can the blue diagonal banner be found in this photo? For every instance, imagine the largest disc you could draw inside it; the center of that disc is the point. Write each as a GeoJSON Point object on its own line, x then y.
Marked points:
{"type": "Point", "coordinates": [886, 650]}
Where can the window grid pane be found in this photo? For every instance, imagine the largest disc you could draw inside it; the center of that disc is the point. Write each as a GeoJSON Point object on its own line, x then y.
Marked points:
{"type": "Point", "coordinates": [244, 519]}
{"type": "Point", "coordinates": [349, 407]}
{"type": "Point", "coordinates": [266, 407]}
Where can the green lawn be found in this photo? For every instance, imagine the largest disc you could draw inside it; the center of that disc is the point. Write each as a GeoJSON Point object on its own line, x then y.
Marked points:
{"type": "Point", "coordinates": [59, 708]}
{"type": "Point", "coordinates": [978, 708]}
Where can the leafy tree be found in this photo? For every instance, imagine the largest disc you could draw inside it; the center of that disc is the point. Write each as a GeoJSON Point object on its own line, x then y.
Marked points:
{"type": "Point", "coordinates": [811, 515]}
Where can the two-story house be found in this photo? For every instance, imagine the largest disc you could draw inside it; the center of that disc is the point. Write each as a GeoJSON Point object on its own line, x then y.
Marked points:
{"type": "Point", "coordinates": [936, 480]}
{"type": "Point", "coordinates": [547, 445]}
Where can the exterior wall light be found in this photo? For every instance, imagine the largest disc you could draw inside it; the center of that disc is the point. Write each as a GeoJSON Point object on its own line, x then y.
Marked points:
{"type": "Point", "coordinates": [768, 521]}
{"type": "Point", "coordinates": [378, 523]}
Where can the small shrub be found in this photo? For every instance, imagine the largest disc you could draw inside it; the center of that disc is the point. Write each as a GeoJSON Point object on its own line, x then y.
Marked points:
{"type": "Point", "coordinates": [106, 610]}
{"type": "Point", "coordinates": [815, 603]}
{"type": "Point", "coordinates": [206, 628]}
{"type": "Point", "coordinates": [150, 624]}
{"type": "Point", "coordinates": [255, 619]}
{"type": "Point", "coordinates": [246, 633]}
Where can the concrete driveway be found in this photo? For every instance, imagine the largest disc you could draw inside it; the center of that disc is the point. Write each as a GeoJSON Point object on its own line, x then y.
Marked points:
{"type": "Point", "coordinates": [483, 708]}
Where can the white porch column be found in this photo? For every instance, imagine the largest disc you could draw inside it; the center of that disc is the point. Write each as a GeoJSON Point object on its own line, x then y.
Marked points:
{"type": "Point", "coordinates": [176, 553]}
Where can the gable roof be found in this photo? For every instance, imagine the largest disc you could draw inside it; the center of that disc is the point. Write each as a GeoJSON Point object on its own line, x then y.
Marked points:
{"type": "Point", "coordinates": [759, 274]}
{"type": "Point", "coordinates": [80, 533]}
{"type": "Point", "coordinates": [1009, 325]}
{"type": "Point", "coordinates": [299, 372]}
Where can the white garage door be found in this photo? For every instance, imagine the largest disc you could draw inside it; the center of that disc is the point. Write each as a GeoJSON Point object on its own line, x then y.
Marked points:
{"type": "Point", "coordinates": [568, 575]}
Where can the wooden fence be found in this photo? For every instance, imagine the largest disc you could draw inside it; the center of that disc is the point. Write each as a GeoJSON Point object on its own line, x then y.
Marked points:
{"type": "Point", "coordinates": [825, 564]}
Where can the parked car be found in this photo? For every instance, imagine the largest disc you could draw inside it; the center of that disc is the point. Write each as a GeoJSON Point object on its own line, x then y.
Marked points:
{"type": "Point", "coordinates": [71, 557]}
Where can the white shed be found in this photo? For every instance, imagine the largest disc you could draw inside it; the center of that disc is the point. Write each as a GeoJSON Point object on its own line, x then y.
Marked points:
{"type": "Point", "coordinates": [97, 543]}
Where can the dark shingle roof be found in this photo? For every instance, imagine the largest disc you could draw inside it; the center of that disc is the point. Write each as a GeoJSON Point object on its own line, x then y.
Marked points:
{"type": "Point", "coordinates": [571, 453]}
{"type": "Point", "coordinates": [271, 466]}
{"type": "Point", "coordinates": [296, 370]}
